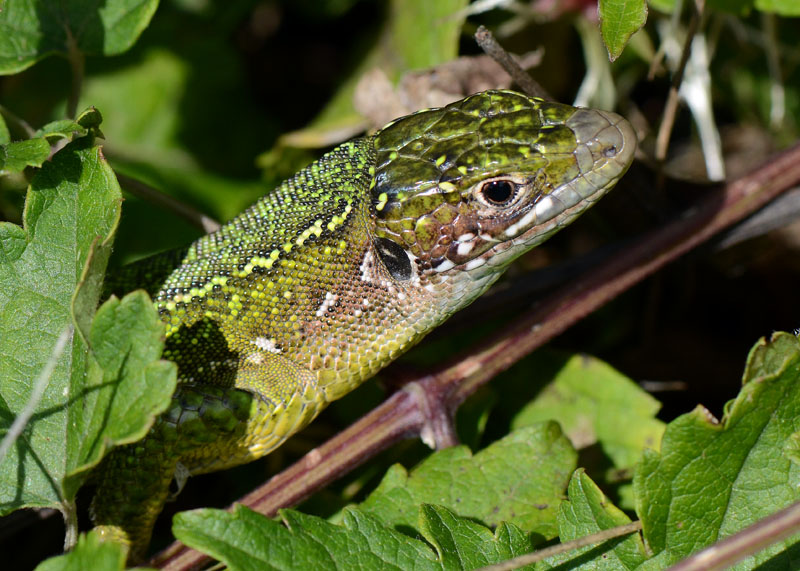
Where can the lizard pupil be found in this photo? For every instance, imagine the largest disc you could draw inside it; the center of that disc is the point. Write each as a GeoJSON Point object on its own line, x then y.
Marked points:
{"type": "Point", "coordinates": [499, 192]}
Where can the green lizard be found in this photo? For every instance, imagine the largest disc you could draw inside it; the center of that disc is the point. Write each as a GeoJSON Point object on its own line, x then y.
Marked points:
{"type": "Point", "coordinates": [342, 268]}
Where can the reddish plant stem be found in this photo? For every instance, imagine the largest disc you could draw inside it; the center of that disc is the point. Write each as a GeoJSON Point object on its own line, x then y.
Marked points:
{"type": "Point", "coordinates": [403, 415]}
{"type": "Point", "coordinates": [719, 210]}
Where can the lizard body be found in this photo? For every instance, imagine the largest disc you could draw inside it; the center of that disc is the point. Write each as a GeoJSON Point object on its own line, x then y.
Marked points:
{"type": "Point", "coordinates": [345, 266]}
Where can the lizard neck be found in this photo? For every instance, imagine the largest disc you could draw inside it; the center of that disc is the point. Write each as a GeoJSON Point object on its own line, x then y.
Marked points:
{"type": "Point", "coordinates": [301, 276]}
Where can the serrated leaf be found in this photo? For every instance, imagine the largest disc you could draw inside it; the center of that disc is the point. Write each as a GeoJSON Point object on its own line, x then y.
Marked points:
{"type": "Point", "coordinates": [464, 544]}
{"type": "Point", "coordinates": [713, 479]}
{"type": "Point", "coordinates": [519, 479]}
{"type": "Point", "coordinates": [619, 20]}
{"type": "Point", "coordinates": [50, 276]}
{"type": "Point", "coordinates": [33, 29]}
{"type": "Point", "coordinates": [127, 383]}
{"type": "Point", "coordinates": [246, 540]}
{"type": "Point", "coordinates": [589, 511]}
{"type": "Point", "coordinates": [16, 156]}
{"type": "Point", "coordinates": [89, 553]}
{"type": "Point", "coordinates": [73, 199]}
{"type": "Point", "coordinates": [596, 404]}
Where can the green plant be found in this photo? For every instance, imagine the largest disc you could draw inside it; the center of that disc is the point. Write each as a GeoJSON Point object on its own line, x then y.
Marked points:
{"type": "Point", "coordinates": [188, 106]}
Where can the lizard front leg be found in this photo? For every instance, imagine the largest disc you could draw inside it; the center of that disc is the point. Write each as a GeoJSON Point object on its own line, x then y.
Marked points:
{"type": "Point", "coordinates": [206, 428]}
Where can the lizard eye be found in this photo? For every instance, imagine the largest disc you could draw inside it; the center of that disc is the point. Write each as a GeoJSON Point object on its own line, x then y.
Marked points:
{"type": "Point", "coordinates": [498, 192]}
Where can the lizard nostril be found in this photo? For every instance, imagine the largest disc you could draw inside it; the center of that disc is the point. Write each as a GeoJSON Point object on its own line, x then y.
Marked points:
{"type": "Point", "coordinates": [610, 152]}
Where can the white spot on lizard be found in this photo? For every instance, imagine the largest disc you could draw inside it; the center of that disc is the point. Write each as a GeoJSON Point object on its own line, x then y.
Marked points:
{"type": "Point", "coordinates": [476, 263]}
{"type": "Point", "coordinates": [329, 301]}
{"type": "Point", "coordinates": [266, 344]}
{"type": "Point", "coordinates": [366, 266]}
{"type": "Point", "coordinates": [465, 248]}
{"type": "Point", "coordinates": [444, 266]}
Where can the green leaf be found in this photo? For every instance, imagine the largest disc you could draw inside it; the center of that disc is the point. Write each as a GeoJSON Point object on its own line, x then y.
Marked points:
{"type": "Point", "coordinates": [417, 34]}
{"type": "Point", "coordinates": [619, 20]}
{"type": "Point", "coordinates": [15, 157]}
{"type": "Point", "coordinates": [666, 6]}
{"type": "Point", "coordinates": [148, 120]}
{"type": "Point", "coordinates": [73, 199]}
{"type": "Point", "coordinates": [595, 404]}
{"type": "Point", "coordinates": [89, 553]}
{"type": "Point", "coordinates": [786, 8]}
{"type": "Point", "coordinates": [589, 511]}
{"type": "Point", "coordinates": [33, 29]}
{"type": "Point", "coordinates": [5, 136]}
{"type": "Point", "coordinates": [61, 129]}
{"type": "Point", "coordinates": [88, 122]}
{"type": "Point", "coordinates": [50, 276]}
{"type": "Point", "coordinates": [464, 544]}
{"type": "Point", "coordinates": [712, 478]}
{"type": "Point", "coordinates": [127, 383]}
{"type": "Point", "coordinates": [418, 47]}
{"type": "Point", "coordinates": [247, 540]}
{"type": "Point", "coordinates": [519, 479]}
{"type": "Point", "coordinates": [729, 6]}
{"type": "Point", "coordinates": [90, 118]}
{"type": "Point", "coordinates": [33, 152]}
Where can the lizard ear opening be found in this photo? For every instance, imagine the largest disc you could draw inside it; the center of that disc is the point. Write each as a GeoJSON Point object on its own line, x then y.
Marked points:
{"type": "Point", "coordinates": [394, 258]}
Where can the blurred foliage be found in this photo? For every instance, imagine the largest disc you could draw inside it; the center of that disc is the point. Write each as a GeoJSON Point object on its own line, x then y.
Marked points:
{"type": "Point", "coordinates": [214, 103]}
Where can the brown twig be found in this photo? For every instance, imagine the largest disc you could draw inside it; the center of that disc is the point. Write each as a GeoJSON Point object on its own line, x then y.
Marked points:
{"type": "Point", "coordinates": [493, 49]}
{"type": "Point", "coordinates": [401, 416]}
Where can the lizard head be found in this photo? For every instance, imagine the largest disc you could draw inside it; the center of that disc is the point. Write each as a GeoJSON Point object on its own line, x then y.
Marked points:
{"type": "Point", "coordinates": [468, 187]}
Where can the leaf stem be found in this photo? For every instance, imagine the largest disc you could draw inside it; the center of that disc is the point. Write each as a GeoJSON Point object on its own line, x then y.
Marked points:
{"type": "Point", "coordinates": [70, 525]}
{"type": "Point", "coordinates": [77, 63]}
